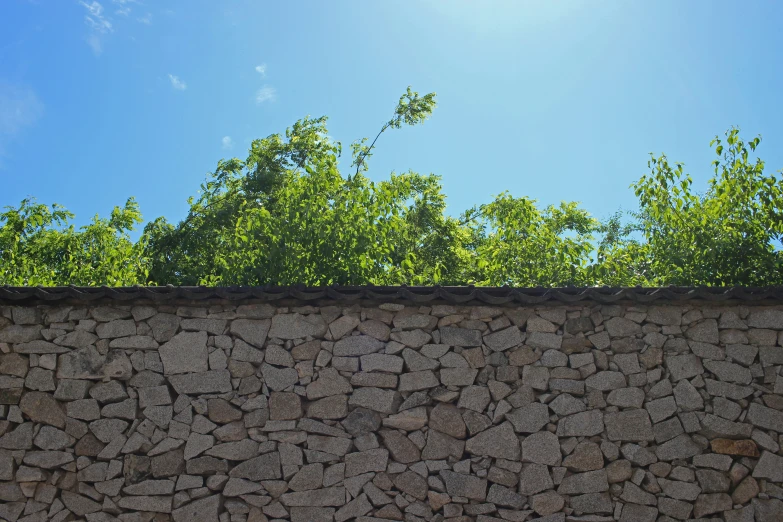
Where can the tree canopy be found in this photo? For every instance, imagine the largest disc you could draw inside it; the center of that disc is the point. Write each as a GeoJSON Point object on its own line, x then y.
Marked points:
{"type": "Point", "coordinates": [286, 214]}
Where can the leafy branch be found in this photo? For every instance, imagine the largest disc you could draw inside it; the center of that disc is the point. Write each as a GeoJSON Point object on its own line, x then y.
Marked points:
{"type": "Point", "coordinates": [412, 109]}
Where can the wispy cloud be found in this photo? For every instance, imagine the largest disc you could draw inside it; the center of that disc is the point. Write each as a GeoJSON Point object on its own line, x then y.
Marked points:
{"type": "Point", "coordinates": [177, 83]}
{"type": "Point", "coordinates": [98, 23]}
{"type": "Point", "coordinates": [227, 142]}
{"type": "Point", "coordinates": [95, 17]}
{"type": "Point", "coordinates": [265, 94]}
{"type": "Point", "coordinates": [20, 108]}
{"type": "Point", "coordinates": [123, 9]}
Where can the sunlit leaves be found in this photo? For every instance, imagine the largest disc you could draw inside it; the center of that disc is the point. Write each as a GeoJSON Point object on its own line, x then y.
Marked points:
{"type": "Point", "coordinates": [286, 215]}
{"type": "Point", "coordinates": [39, 247]}
{"type": "Point", "coordinates": [519, 244]}
{"type": "Point", "coordinates": [729, 235]}
{"type": "Point", "coordinates": [412, 109]}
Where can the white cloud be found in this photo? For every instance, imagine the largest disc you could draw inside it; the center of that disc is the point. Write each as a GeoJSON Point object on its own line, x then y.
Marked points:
{"type": "Point", "coordinates": [177, 83]}
{"type": "Point", "coordinates": [261, 69]}
{"type": "Point", "coordinates": [123, 9]}
{"type": "Point", "coordinates": [98, 23]}
{"type": "Point", "coordinates": [227, 142]}
{"type": "Point", "coordinates": [20, 108]}
{"type": "Point", "coordinates": [95, 18]}
{"type": "Point", "coordinates": [265, 93]}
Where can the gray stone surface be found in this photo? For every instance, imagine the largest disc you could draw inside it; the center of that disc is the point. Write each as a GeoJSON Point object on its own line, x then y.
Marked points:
{"type": "Point", "coordinates": [457, 376]}
{"type": "Point", "coordinates": [85, 363]}
{"type": "Point", "coordinates": [318, 498]}
{"type": "Point", "coordinates": [379, 362]}
{"type": "Point", "coordinates": [244, 352]}
{"type": "Point", "coordinates": [186, 352]}
{"type": "Point", "coordinates": [770, 466]}
{"type": "Point", "coordinates": [566, 404]}
{"type": "Point", "coordinates": [47, 459]}
{"type": "Point", "coordinates": [499, 442]}
{"type": "Point", "coordinates": [529, 418]}
{"type": "Point", "coordinates": [42, 407]}
{"type": "Point", "coordinates": [263, 467]}
{"type": "Point", "coordinates": [766, 318]}
{"type": "Point", "coordinates": [279, 379]}
{"type": "Point", "coordinates": [708, 504]}
{"type": "Point", "coordinates": [460, 336]}
{"type": "Point", "coordinates": [329, 383]}
{"type": "Point", "coordinates": [50, 438]}
{"type": "Point", "coordinates": [730, 372]}
{"type": "Point", "coordinates": [116, 328]}
{"type": "Point", "coordinates": [376, 399]}
{"type": "Point", "coordinates": [626, 397]}
{"type": "Point", "coordinates": [201, 510]}
{"type": "Point", "coordinates": [332, 407]}
{"type": "Point", "coordinates": [534, 478]}
{"type": "Point", "coordinates": [544, 341]}
{"type": "Point", "coordinates": [764, 417]}
{"type": "Point", "coordinates": [728, 390]}
{"type": "Point", "coordinates": [622, 327]}
{"type": "Point", "coordinates": [583, 424]}
{"type": "Point", "coordinates": [252, 331]}
{"type": "Point", "coordinates": [415, 381]}
{"type": "Point", "coordinates": [401, 448]}
{"type": "Point", "coordinates": [542, 448]}
{"type": "Point", "coordinates": [460, 485]}
{"type": "Point", "coordinates": [587, 456]}
{"type": "Point", "coordinates": [370, 411]}
{"type": "Point", "coordinates": [213, 381]}
{"type": "Point", "coordinates": [683, 366]}
{"type": "Point", "coordinates": [447, 419]}
{"type": "Point", "coordinates": [504, 339]}
{"type": "Point", "coordinates": [638, 513]}
{"type": "Point", "coordinates": [581, 483]}
{"type": "Point", "coordinates": [79, 505]}
{"type": "Point", "coordinates": [705, 331]}
{"type": "Point", "coordinates": [537, 377]}
{"type": "Point", "coordinates": [357, 345]}
{"type": "Point", "coordinates": [606, 380]}
{"type": "Point", "coordinates": [680, 447]}
{"type": "Point", "coordinates": [661, 409]}
{"type": "Point", "coordinates": [366, 461]}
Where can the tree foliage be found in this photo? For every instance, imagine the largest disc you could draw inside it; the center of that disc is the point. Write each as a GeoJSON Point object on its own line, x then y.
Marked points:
{"type": "Point", "coordinates": [38, 246]}
{"type": "Point", "coordinates": [286, 214]}
{"type": "Point", "coordinates": [729, 235]}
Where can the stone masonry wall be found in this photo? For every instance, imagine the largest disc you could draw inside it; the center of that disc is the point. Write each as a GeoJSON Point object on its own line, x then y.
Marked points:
{"type": "Point", "coordinates": [372, 412]}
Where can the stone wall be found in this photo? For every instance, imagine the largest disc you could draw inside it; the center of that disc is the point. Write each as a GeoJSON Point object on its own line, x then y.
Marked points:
{"type": "Point", "coordinates": [381, 411]}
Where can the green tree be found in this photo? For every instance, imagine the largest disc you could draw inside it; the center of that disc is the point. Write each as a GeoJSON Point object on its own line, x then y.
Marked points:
{"type": "Point", "coordinates": [286, 214]}
{"type": "Point", "coordinates": [729, 235]}
{"type": "Point", "coordinates": [39, 247]}
{"type": "Point", "coordinates": [515, 243]}
{"type": "Point", "coordinates": [192, 252]}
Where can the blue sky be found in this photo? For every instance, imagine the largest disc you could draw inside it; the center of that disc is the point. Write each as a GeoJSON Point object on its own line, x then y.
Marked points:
{"type": "Point", "coordinates": [554, 100]}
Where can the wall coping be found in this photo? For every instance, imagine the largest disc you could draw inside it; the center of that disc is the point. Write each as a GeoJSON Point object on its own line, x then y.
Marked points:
{"type": "Point", "coordinates": [416, 294]}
